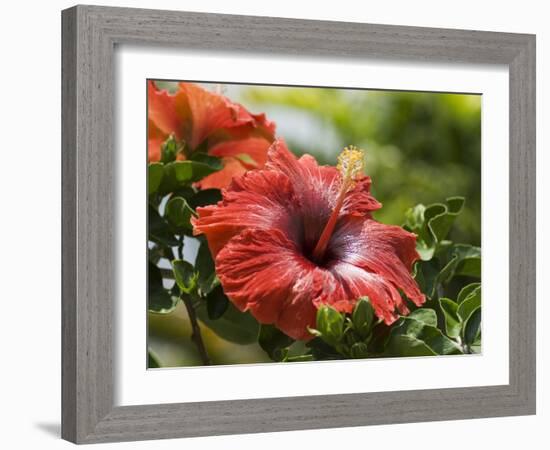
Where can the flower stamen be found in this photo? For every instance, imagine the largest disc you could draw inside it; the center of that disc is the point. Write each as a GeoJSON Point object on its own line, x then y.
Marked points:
{"type": "Point", "coordinates": [350, 165]}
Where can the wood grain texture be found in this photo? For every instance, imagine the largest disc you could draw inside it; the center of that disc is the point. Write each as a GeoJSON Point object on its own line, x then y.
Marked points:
{"type": "Point", "coordinates": [89, 36]}
{"type": "Point", "coordinates": [68, 224]}
{"type": "Point", "coordinates": [88, 265]}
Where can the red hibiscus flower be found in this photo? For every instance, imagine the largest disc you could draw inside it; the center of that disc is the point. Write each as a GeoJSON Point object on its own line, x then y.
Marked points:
{"type": "Point", "coordinates": [295, 235]}
{"type": "Point", "coordinates": [205, 121]}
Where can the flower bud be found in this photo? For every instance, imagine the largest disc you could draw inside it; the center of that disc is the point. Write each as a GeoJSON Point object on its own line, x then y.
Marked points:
{"type": "Point", "coordinates": [330, 323]}
{"type": "Point", "coordinates": [363, 317]}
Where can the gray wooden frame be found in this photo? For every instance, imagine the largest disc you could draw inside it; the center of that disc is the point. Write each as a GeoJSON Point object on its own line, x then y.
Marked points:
{"type": "Point", "coordinates": [90, 34]}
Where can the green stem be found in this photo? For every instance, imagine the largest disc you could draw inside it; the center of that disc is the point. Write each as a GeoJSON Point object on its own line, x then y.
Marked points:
{"type": "Point", "coordinates": [196, 335]}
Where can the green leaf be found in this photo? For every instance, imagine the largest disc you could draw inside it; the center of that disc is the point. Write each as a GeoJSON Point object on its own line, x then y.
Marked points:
{"type": "Point", "coordinates": [403, 345]}
{"type": "Point", "coordinates": [155, 172]}
{"type": "Point", "coordinates": [178, 214]}
{"type": "Point", "coordinates": [205, 197]}
{"type": "Point", "coordinates": [216, 303]}
{"type": "Point", "coordinates": [274, 342]}
{"type": "Point", "coordinates": [440, 224]}
{"type": "Point", "coordinates": [159, 299]}
{"type": "Point", "coordinates": [426, 316]}
{"type": "Point", "coordinates": [457, 259]}
{"type": "Point", "coordinates": [186, 192]}
{"type": "Point", "coordinates": [414, 217]}
{"type": "Point", "coordinates": [432, 224]}
{"type": "Point", "coordinates": [463, 260]}
{"type": "Point", "coordinates": [438, 342]}
{"type": "Point", "coordinates": [363, 317]}
{"type": "Point", "coordinates": [423, 331]}
{"type": "Point", "coordinates": [407, 326]}
{"type": "Point", "coordinates": [182, 173]}
{"type": "Point", "coordinates": [470, 267]}
{"type": "Point", "coordinates": [155, 253]}
{"type": "Point", "coordinates": [234, 326]}
{"type": "Point", "coordinates": [427, 277]}
{"type": "Point", "coordinates": [472, 327]}
{"type": "Point", "coordinates": [469, 304]}
{"type": "Point", "coordinates": [185, 276]}
{"type": "Point", "coordinates": [204, 265]}
{"type": "Point", "coordinates": [465, 291]}
{"type": "Point", "coordinates": [213, 162]}
{"type": "Point", "coordinates": [359, 350]}
{"type": "Point", "coordinates": [453, 323]}
{"type": "Point", "coordinates": [194, 170]}
{"type": "Point", "coordinates": [330, 323]}
{"type": "Point", "coordinates": [159, 230]}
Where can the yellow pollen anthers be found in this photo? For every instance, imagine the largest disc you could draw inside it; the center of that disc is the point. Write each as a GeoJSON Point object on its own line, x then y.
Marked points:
{"type": "Point", "coordinates": [350, 163]}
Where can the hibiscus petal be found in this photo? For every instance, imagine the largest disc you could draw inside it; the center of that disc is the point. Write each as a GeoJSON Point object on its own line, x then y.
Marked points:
{"type": "Point", "coordinates": [263, 272]}
{"type": "Point", "coordinates": [258, 199]}
{"type": "Point", "coordinates": [358, 282]}
{"type": "Point", "coordinates": [260, 236]}
{"type": "Point", "coordinates": [153, 150]}
{"type": "Point", "coordinates": [161, 110]}
{"type": "Point", "coordinates": [297, 315]}
{"type": "Point", "coordinates": [155, 138]}
{"type": "Point", "coordinates": [265, 126]}
{"type": "Point", "coordinates": [259, 127]}
{"type": "Point", "coordinates": [211, 111]}
{"type": "Point", "coordinates": [359, 201]}
{"type": "Point", "coordinates": [232, 167]}
{"type": "Point", "coordinates": [304, 173]}
{"type": "Point", "coordinates": [384, 250]}
{"type": "Point", "coordinates": [238, 157]}
{"type": "Point", "coordinates": [316, 187]}
{"type": "Point", "coordinates": [251, 151]}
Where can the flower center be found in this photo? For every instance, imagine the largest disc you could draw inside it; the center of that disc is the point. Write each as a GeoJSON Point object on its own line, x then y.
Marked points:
{"type": "Point", "coordinates": [350, 165]}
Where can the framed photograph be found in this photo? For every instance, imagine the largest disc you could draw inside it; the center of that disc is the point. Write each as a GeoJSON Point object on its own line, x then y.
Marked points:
{"type": "Point", "coordinates": [300, 224]}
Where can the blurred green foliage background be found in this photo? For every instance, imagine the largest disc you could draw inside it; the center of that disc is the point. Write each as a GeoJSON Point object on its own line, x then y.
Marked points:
{"type": "Point", "coordinates": [421, 147]}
